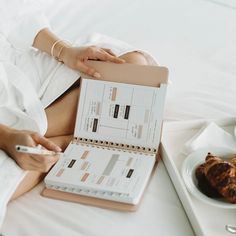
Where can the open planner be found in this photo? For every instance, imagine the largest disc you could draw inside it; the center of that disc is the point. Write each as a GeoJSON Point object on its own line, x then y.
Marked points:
{"type": "Point", "coordinates": [116, 139]}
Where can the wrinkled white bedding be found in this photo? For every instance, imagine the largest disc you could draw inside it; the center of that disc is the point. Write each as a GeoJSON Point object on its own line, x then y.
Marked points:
{"type": "Point", "coordinates": [195, 39]}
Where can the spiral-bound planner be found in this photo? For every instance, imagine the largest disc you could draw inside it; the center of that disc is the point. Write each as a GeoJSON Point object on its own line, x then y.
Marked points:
{"type": "Point", "coordinates": [116, 139]}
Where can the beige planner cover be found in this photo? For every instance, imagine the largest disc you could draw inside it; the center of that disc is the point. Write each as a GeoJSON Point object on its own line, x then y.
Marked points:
{"type": "Point", "coordinates": [131, 73]}
{"type": "Point", "coordinates": [122, 73]}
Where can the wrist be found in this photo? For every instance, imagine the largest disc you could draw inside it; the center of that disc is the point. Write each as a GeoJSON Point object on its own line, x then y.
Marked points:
{"type": "Point", "coordinates": [58, 49]}
{"type": "Point", "coordinates": [63, 54]}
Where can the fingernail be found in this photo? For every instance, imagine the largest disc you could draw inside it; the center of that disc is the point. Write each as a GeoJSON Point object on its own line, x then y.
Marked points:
{"type": "Point", "coordinates": [58, 149]}
{"type": "Point", "coordinates": [97, 75]}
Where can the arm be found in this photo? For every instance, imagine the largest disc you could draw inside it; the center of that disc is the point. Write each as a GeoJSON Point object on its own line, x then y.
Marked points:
{"type": "Point", "coordinates": [11, 137]}
{"type": "Point", "coordinates": [73, 57]}
{"type": "Point", "coordinates": [44, 41]}
{"type": "Point", "coordinates": [23, 24]}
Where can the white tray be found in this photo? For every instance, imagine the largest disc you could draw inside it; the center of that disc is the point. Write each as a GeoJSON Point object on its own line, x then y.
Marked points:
{"type": "Point", "coordinates": [205, 219]}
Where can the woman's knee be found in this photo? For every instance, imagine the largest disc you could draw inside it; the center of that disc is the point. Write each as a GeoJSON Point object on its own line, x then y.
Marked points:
{"type": "Point", "coordinates": [135, 58]}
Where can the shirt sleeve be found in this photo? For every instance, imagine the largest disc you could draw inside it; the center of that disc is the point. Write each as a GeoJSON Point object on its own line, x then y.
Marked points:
{"type": "Point", "coordinates": [20, 22]}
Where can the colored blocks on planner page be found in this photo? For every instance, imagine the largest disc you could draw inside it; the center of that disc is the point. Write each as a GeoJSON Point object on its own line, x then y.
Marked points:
{"type": "Point", "coordinates": [127, 111]}
{"type": "Point", "coordinates": [130, 173]}
{"type": "Point", "coordinates": [95, 125]}
{"type": "Point", "coordinates": [120, 113]}
{"type": "Point", "coordinates": [116, 111]}
{"type": "Point", "coordinates": [85, 154]}
{"type": "Point", "coordinates": [129, 161]}
{"type": "Point", "coordinates": [72, 162]}
{"type": "Point", "coordinates": [113, 94]}
{"type": "Point", "coordinates": [84, 177]}
{"type": "Point", "coordinates": [94, 107]}
{"type": "Point", "coordinates": [91, 124]}
{"type": "Point", "coordinates": [100, 179]}
{"type": "Point", "coordinates": [84, 166]}
{"type": "Point", "coordinates": [102, 168]}
{"type": "Point", "coordinates": [60, 172]}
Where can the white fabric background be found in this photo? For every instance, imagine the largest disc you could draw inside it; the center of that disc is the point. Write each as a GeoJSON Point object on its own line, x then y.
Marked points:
{"type": "Point", "coordinates": [195, 39]}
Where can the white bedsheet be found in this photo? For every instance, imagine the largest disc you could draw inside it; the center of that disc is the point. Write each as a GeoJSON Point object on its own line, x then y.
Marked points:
{"type": "Point", "coordinates": [195, 39]}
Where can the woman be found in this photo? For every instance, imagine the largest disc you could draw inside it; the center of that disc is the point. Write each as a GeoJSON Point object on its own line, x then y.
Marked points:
{"type": "Point", "coordinates": [38, 106]}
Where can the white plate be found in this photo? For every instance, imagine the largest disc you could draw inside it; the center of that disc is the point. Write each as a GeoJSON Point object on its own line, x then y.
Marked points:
{"type": "Point", "coordinates": [188, 174]}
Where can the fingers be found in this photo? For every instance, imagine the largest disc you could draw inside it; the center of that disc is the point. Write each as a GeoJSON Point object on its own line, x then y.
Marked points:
{"type": "Point", "coordinates": [96, 53]}
{"type": "Point", "coordinates": [108, 50]}
{"type": "Point", "coordinates": [46, 143]}
{"type": "Point", "coordinates": [40, 163]}
{"type": "Point", "coordinates": [28, 161]}
{"type": "Point", "coordinates": [103, 54]}
{"type": "Point", "coordinates": [108, 55]}
{"type": "Point", "coordinates": [44, 159]}
{"type": "Point", "coordinates": [88, 70]}
{"type": "Point", "coordinates": [43, 163]}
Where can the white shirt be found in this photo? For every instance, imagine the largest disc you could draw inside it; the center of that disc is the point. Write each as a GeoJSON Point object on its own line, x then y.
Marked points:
{"type": "Point", "coordinates": [22, 103]}
{"type": "Point", "coordinates": [20, 106]}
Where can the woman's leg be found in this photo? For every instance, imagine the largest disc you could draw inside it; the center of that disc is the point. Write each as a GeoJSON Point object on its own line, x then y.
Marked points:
{"type": "Point", "coordinates": [135, 58]}
{"type": "Point", "coordinates": [61, 117]}
{"type": "Point", "coordinates": [61, 114]}
{"type": "Point", "coordinates": [31, 179]}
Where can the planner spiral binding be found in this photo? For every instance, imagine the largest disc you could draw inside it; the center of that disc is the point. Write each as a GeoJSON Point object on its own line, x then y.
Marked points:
{"type": "Point", "coordinates": [113, 145]}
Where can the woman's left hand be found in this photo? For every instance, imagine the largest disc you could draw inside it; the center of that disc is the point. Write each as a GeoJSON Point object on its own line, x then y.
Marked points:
{"type": "Point", "coordinates": [75, 58]}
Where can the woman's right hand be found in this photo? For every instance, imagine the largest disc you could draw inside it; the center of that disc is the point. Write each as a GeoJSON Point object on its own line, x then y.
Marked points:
{"type": "Point", "coordinates": [41, 163]}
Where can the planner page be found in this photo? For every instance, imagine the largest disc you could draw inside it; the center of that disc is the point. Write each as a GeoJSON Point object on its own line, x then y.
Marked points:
{"type": "Point", "coordinates": [98, 169]}
{"type": "Point", "coordinates": [120, 113]}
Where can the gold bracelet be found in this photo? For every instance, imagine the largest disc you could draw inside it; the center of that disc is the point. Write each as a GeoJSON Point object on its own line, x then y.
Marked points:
{"type": "Point", "coordinates": [53, 47]}
{"type": "Point", "coordinates": [59, 53]}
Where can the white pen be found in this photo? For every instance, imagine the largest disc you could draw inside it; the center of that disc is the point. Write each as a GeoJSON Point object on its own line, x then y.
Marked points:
{"type": "Point", "coordinates": [34, 150]}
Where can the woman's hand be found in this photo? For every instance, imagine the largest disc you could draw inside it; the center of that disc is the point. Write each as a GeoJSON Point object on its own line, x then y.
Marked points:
{"type": "Point", "coordinates": [41, 163]}
{"type": "Point", "coordinates": [75, 58]}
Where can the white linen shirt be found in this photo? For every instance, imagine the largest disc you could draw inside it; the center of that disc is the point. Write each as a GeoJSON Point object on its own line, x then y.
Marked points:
{"type": "Point", "coordinates": [22, 103]}
{"type": "Point", "coordinates": [20, 106]}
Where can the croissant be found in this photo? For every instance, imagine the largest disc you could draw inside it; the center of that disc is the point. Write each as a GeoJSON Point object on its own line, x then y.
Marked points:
{"type": "Point", "coordinates": [203, 183]}
{"type": "Point", "coordinates": [233, 160]}
{"type": "Point", "coordinates": [221, 175]}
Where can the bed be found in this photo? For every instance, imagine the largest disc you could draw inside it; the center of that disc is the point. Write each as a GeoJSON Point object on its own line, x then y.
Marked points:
{"type": "Point", "coordinates": [195, 39]}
